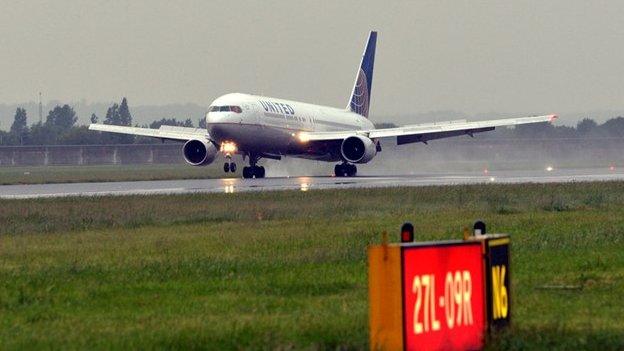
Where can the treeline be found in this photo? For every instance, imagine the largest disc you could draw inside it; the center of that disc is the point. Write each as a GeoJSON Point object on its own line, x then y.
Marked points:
{"type": "Point", "coordinates": [586, 128]}
{"type": "Point", "coordinates": [60, 128]}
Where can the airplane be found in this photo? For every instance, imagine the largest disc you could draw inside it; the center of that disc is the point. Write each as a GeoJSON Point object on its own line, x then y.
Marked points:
{"type": "Point", "coordinates": [258, 127]}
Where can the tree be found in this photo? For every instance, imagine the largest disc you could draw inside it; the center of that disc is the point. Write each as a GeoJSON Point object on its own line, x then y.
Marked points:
{"type": "Point", "coordinates": [62, 118]}
{"type": "Point", "coordinates": [563, 132]}
{"type": "Point", "coordinates": [534, 131]}
{"type": "Point", "coordinates": [125, 118]}
{"type": "Point", "coordinates": [202, 123]}
{"type": "Point", "coordinates": [586, 126]}
{"type": "Point", "coordinates": [112, 115]}
{"type": "Point", "coordinates": [80, 135]}
{"type": "Point", "coordinates": [118, 115]}
{"type": "Point", "coordinates": [59, 122]}
{"type": "Point", "coordinates": [19, 128]}
{"type": "Point", "coordinates": [42, 134]}
{"type": "Point", "coordinates": [613, 127]}
{"type": "Point", "coordinates": [4, 138]}
{"type": "Point", "coordinates": [94, 118]}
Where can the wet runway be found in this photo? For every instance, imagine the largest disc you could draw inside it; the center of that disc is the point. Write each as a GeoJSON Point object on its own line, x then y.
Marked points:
{"type": "Point", "coordinates": [234, 185]}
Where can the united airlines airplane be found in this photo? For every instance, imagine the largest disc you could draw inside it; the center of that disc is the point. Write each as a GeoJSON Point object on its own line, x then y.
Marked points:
{"type": "Point", "coordinates": [259, 127]}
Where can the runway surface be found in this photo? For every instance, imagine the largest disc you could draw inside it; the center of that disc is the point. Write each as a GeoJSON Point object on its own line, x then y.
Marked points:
{"type": "Point", "coordinates": [235, 185]}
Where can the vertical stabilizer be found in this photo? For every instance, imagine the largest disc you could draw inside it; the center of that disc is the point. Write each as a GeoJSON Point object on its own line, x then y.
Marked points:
{"type": "Point", "coordinates": [360, 96]}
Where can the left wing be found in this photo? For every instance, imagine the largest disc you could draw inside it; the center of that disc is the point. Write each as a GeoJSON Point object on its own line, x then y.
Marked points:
{"type": "Point", "coordinates": [164, 132]}
{"type": "Point", "coordinates": [424, 132]}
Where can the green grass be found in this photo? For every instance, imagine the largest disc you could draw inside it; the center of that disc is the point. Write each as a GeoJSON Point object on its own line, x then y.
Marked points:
{"type": "Point", "coordinates": [104, 173]}
{"type": "Point", "coordinates": [286, 270]}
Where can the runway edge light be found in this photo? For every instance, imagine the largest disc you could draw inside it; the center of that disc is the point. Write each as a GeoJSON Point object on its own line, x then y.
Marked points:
{"type": "Point", "coordinates": [407, 232]}
{"type": "Point", "coordinates": [479, 228]}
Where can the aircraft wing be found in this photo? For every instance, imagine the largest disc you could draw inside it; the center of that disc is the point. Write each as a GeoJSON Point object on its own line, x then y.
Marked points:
{"type": "Point", "coordinates": [164, 132]}
{"type": "Point", "coordinates": [423, 132]}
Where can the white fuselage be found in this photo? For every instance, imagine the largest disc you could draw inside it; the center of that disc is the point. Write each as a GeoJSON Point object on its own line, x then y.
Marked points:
{"type": "Point", "coordinates": [265, 125]}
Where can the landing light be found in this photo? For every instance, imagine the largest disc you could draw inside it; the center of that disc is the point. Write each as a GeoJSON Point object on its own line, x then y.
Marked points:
{"type": "Point", "coordinates": [549, 168]}
{"type": "Point", "coordinates": [303, 137]}
{"type": "Point", "coordinates": [228, 147]}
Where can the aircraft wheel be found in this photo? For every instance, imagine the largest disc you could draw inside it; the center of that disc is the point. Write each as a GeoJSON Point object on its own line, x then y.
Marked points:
{"type": "Point", "coordinates": [247, 172]}
{"type": "Point", "coordinates": [338, 170]}
{"type": "Point", "coordinates": [232, 167]}
{"type": "Point", "coordinates": [259, 172]}
{"type": "Point", "coordinates": [341, 170]}
{"type": "Point", "coordinates": [351, 170]}
{"type": "Point", "coordinates": [226, 167]}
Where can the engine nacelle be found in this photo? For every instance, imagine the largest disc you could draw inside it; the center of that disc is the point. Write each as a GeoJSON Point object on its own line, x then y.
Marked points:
{"type": "Point", "coordinates": [199, 152]}
{"type": "Point", "coordinates": [358, 149]}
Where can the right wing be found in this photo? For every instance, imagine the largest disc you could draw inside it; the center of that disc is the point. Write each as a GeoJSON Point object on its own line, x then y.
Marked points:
{"type": "Point", "coordinates": [429, 131]}
{"type": "Point", "coordinates": [164, 132]}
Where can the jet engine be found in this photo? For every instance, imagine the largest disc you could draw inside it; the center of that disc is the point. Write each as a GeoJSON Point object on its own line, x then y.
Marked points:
{"type": "Point", "coordinates": [199, 152]}
{"type": "Point", "coordinates": [358, 149]}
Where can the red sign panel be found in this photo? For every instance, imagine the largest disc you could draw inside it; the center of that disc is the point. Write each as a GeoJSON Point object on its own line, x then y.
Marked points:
{"type": "Point", "coordinates": [443, 297]}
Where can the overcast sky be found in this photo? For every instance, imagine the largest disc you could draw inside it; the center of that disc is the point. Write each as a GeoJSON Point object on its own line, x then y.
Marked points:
{"type": "Point", "coordinates": [474, 56]}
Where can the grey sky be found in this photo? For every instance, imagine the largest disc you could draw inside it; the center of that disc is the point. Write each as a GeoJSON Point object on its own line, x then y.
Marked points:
{"type": "Point", "coordinates": [474, 57]}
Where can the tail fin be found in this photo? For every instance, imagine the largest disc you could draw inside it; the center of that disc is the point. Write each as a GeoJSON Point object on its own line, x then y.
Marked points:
{"type": "Point", "coordinates": [360, 96]}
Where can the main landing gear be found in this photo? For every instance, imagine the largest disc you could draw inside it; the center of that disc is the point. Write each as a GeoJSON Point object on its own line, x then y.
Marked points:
{"type": "Point", "coordinates": [253, 171]}
{"type": "Point", "coordinates": [345, 170]}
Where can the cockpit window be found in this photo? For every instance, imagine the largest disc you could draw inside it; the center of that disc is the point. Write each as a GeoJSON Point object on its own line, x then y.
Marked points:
{"type": "Point", "coordinates": [236, 109]}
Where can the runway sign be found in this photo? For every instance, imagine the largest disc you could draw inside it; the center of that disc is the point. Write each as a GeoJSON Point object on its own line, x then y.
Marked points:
{"type": "Point", "coordinates": [438, 295]}
{"type": "Point", "coordinates": [498, 281]}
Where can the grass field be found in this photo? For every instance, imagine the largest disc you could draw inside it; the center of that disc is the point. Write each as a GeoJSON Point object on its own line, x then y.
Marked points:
{"type": "Point", "coordinates": [286, 270]}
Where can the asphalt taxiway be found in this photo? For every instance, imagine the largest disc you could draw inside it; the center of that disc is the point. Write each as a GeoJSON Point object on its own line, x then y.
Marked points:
{"type": "Point", "coordinates": [234, 185]}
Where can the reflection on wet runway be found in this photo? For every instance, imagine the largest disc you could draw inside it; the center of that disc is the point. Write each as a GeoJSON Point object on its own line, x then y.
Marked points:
{"type": "Point", "coordinates": [235, 185]}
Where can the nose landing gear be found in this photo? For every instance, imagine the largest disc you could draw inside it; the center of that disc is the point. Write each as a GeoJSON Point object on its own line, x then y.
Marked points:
{"type": "Point", "coordinates": [345, 170]}
{"type": "Point", "coordinates": [229, 166]}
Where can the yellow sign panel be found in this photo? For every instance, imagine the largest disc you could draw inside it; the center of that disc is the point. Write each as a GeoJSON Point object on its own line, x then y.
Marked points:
{"type": "Point", "coordinates": [384, 291]}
